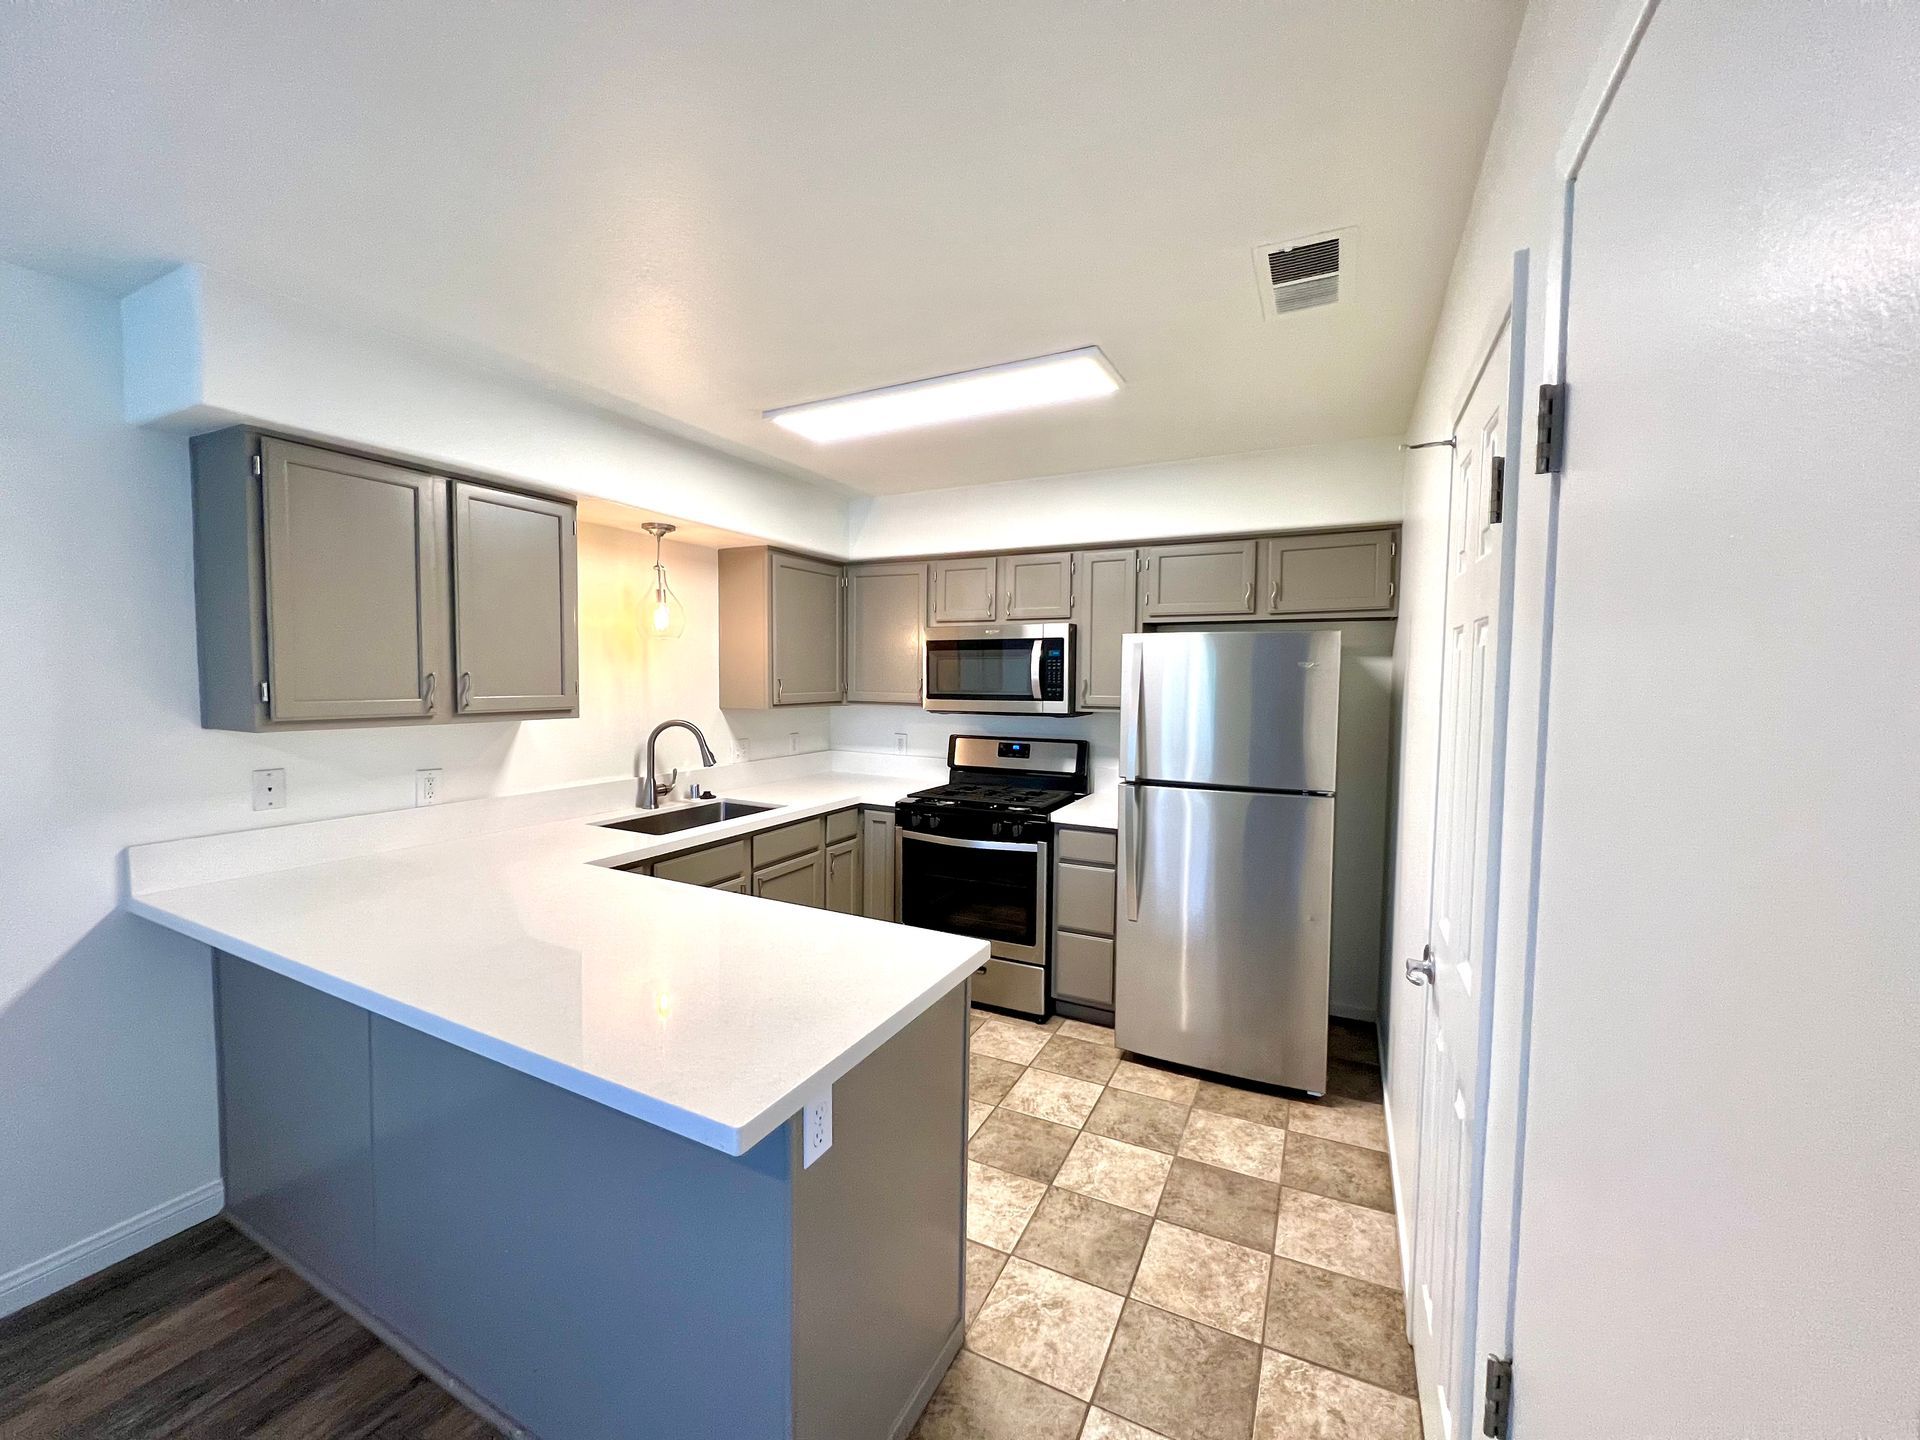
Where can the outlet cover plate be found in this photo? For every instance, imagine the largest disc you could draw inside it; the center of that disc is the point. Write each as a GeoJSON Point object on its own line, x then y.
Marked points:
{"type": "Point", "coordinates": [426, 787]}
{"type": "Point", "coordinates": [269, 789]}
{"type": "Point", "coordinates": [816, 1129]}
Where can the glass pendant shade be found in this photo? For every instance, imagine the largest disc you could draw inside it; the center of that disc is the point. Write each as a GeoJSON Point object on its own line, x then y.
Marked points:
{"type": "Point", "coordinates": [662, 616]}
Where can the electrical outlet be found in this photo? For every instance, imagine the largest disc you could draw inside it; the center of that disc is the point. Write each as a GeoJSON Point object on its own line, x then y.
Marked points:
{"type": "Point", "coordinates": [816, 1136]}
{"type": "Point", "coordinates": [269, 789]}
{"type": "Point", "coordinates": [793, 742]}
{"type": "Point", "coordinates": [741, 751]}
{"type": "Point", "coordinates": [900, 742]}
{"type": "Point", "coordinates": [426, 787]}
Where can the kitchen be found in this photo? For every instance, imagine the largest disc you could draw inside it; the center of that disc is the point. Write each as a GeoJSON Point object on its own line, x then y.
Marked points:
{"type": "Point", "coordinates": [834, 724]}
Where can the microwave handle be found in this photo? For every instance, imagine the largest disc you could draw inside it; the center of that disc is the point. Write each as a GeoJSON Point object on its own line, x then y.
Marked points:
{"type": "Point", "coordinates": [1033, 672]}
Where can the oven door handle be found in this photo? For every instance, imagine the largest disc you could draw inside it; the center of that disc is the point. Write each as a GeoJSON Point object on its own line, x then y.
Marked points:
{"type": "Point", "coordinates": [1031, 846]}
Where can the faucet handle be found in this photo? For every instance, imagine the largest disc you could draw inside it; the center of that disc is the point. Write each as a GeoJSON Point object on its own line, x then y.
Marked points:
{"type": "Point", "coordinates": [665, 783]}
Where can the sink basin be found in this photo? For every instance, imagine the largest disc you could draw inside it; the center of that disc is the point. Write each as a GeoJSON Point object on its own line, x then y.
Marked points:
{"type": "Point", "coordinates": [687, 817]}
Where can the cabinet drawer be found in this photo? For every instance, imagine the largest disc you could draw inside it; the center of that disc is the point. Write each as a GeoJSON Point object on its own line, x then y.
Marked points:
{"type": "Point", "coordinates": [1085, 899]}
{"type": "Point", "coordinates": [1083, 969]}
{"type": "Point", "coordinates": [772, 846]}
{"type": "Point", "coordinates": [1090, 847]}
{"type": "Point", "coordinates": [712, 866]}
{"type": "Point", "coordinates": [842, 825]}
{"type": "Point", "coordinates": [1011, 985]}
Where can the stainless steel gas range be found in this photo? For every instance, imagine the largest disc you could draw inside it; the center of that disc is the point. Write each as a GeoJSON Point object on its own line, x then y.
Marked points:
{"type": "Point", "coordinates": [975, 856]}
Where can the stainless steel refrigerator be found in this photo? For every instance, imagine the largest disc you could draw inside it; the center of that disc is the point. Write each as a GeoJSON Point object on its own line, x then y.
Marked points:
{"type": "Point", "coordinates": [1227, 781]}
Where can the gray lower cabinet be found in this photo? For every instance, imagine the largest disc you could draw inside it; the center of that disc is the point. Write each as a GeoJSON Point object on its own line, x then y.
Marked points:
{"type": "Point", "coordinates": [1103, 612]}
{"type": "Point", "coordinates": [1314, 574]}
{"type": "Point", "coordinates": [886, 622]}
{"type": "Point", "coordinates": [964, 591]}
{"type": "Point", "coordinates": [1036, 587]}
{"type": "Point", "coordinates": [1200, 580]}
{"type": "Point", "coordinates": [876, 861]}
{"type": "Point", "coordinates": [1084, 910]}
{"type": "Point", "coordinates": [843, 876]}
{"type": "Point", "coordinates": [780, 629]}
{"type": "Point", "coordinates": [515, 640]}
{"type": "Point", "coordinates": [578, 1272]}
{"type": "Point", "coordinates": [799, 881]}
{"type": "Point", "coordinates": [337, 589]}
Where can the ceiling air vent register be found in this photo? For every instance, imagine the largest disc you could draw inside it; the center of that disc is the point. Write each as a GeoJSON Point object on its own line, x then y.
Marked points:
{"type": "Point", "coordinates": [1300, 276]}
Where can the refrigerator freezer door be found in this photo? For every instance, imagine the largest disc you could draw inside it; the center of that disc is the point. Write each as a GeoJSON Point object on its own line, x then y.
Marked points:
{"type": "Point", "coordinates": [1220, 960]}
{"type": "Point", "coordinates": [1256, 710]}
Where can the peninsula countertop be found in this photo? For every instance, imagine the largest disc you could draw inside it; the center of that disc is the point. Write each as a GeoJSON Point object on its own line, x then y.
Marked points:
{"type": "Point", "coordinates": [715, 1016]}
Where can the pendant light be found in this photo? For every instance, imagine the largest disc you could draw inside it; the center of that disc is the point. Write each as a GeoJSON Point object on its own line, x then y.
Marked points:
{"type": "Point", "coordinates": [661, 614]}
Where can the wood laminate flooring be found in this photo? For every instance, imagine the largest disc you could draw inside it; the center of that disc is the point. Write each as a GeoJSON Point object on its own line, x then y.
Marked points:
{"type": "Point", "coordinates": [207, 1335]}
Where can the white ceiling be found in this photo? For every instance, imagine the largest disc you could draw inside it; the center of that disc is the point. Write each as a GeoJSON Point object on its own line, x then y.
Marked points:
{"type": "Point", "coordinates": [700, 212]}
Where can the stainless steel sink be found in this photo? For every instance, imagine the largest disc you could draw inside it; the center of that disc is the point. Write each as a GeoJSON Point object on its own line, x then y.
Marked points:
{"type": "Point", "coordinates": [687, 817]}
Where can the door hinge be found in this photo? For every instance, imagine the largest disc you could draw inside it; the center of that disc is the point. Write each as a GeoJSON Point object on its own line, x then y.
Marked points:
{"type": "Point", "coordinates": [1496, 489]}
{"type": "Point", "coordinates": [1498, 1420]}
{"type": "Point", "coordinates": [257, 470]}
{"type": "Point", "coordinates": [266, 695]}
{"type": "Point", "coordinates": [1547, 437]}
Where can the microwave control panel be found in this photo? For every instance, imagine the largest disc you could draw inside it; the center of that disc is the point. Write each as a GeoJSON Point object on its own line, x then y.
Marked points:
{"type": "Point", "coordinates": [1053, 669]}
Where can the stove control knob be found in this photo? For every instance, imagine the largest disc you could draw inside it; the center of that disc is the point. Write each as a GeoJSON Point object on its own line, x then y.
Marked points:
{"type": "Point", "coordinates": [933, 822]}
{"type": "Point", "coordinates": [997, 827]}
{"type": "Point", "coordinates": [1017, 830]}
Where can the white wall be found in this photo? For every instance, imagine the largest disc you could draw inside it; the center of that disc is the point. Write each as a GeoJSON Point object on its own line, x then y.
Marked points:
{"type": "Point", "coordinates": [205, 350]}
{"type": "Point", "coordinates": [106, 1052]}
{"type": "Point", "coordinates": [1357, 482]}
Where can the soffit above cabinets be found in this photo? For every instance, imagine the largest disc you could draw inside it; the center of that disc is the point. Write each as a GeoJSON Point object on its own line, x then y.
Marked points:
{"type": "Point", "coordinates": [703, 213]}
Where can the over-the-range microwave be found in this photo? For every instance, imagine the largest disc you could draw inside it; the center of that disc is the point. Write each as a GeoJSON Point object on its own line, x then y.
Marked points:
{"type": "Point", "coordinates": [999, 669]}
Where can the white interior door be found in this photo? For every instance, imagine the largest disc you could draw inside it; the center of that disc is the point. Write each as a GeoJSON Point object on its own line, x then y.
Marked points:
{"type": "Point", "coordinates": [1457, 965]}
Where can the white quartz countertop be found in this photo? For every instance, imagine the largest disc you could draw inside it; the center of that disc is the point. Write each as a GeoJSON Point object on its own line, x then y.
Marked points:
{"type": "Point", "coordinates": [713, 1015]}
{"type": "Point", "coordinates": [1098, 811]}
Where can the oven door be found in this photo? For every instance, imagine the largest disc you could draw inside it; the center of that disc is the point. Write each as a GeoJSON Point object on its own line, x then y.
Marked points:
{"type": "Point", "coordinates": [992, 890]}
{"type": "Point", "coordinates": [999, 669]}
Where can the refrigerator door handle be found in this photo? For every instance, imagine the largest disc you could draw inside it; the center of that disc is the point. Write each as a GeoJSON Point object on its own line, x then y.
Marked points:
{"type": "Point", "coordinates": [1136, 839]}
{"type": "Point", "coordinates": [1139, 712]}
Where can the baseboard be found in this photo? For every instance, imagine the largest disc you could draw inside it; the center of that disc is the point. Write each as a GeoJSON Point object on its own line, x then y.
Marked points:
{"type": "Point", "coordinates": [1402, 1220]}
{"type": "Point", "coordinates": [43, 1277]}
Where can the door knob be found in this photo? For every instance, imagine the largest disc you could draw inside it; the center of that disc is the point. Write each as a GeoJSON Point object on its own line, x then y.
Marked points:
{"type": "Point", "coordinates": [1420, 971]}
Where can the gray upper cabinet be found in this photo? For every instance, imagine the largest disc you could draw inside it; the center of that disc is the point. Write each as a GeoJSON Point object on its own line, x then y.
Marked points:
{"type": "Point", "coordinates": [515, 645]}
{"type": "Point", "coordinates": [335, 589]}
{"type": "Point", "coordinates": [1036, 587]}
{"type": "Point", "coordinates": [1318, 574]}
{"type": "Point", "coordinates": [1103, 612]}
{"type": "Point", "coordinates": [1204, 579]}
{"type": "Point", "coordinates": [886, 620]}
{"type": "Point", "coordinates": [355, 590]}
{"type": "Point", "coordinates": [780, 629]}
{"type": "Point", "coordinates": [964, 591]}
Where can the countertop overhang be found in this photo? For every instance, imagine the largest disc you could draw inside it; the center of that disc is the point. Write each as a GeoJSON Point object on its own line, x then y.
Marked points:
{"type": "Point", "coordinates": [715, 1016]}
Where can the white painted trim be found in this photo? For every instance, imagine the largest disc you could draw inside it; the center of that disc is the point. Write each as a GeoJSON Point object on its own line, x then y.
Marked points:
{"type": "Point", "coordinates": [1402, 1217]}
{"type": "Point", "coordinates": [51, 1273]}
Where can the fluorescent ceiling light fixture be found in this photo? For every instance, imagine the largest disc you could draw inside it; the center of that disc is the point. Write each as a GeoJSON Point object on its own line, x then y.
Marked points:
{"type": "Point", "coordinates": [994, 390]}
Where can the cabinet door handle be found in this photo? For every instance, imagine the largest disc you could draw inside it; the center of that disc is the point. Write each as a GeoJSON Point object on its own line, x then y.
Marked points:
{"type": "Point", "coordinates": [1249, 594]}
{"type": "Point", "coordinates": [426, 691]}
{"type": "Point", "coordinates": [1273, 595]}
{"type": "Point", "coordinates": [466, 690]}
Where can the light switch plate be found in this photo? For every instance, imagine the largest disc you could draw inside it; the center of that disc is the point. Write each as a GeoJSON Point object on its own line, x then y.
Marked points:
{"type": "Point", "coordinates": [816, 1129]}
{"type": "Point", "coordinates": [269, 789]}
{"type": "Point", "coordinates": [426, 787]}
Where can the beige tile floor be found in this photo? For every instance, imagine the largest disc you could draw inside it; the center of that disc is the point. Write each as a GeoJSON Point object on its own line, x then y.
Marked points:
{"type": "Point", "coordinates": [1152, 1255]}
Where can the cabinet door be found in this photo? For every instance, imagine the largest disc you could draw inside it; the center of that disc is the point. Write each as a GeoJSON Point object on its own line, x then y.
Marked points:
{"type": "Point", "coordinates": [800, 881]}
{"type": "Point", "coordinates": [1036, 587]}
{"type": "Point", "coordinates": [735, 886]}
{"type": "Point", "coordinates": [964, 591]}
{"type": "Point", "coordinates": [806, 631]}
{"type": "Point", "coordinates": [876, 861]}
{"type": "Point", "coordinates": [886, 621]}
{"type": "Point", "coordinates": [1103, 611]}
{"type": "Point", "coordinates": [843, 877]}
{"type": "Point", "coordinates": [1321, 574]}
{"type": "Point", "coordinates": [515, 641]}
{"type": "Point", "coordinates": [1203, 579]}
{"type": "Point", "coordinates": [355, 586]}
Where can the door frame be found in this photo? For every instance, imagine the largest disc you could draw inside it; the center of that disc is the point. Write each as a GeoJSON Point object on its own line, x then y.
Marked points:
{"type": "Point", "coordinates": [1509, 322]}
{"type": "Point", "coordinates": [1532, 514]}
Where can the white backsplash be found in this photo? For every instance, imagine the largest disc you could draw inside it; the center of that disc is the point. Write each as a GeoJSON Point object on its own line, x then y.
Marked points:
{"type": "Point", "coordinates": [881, 728]}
